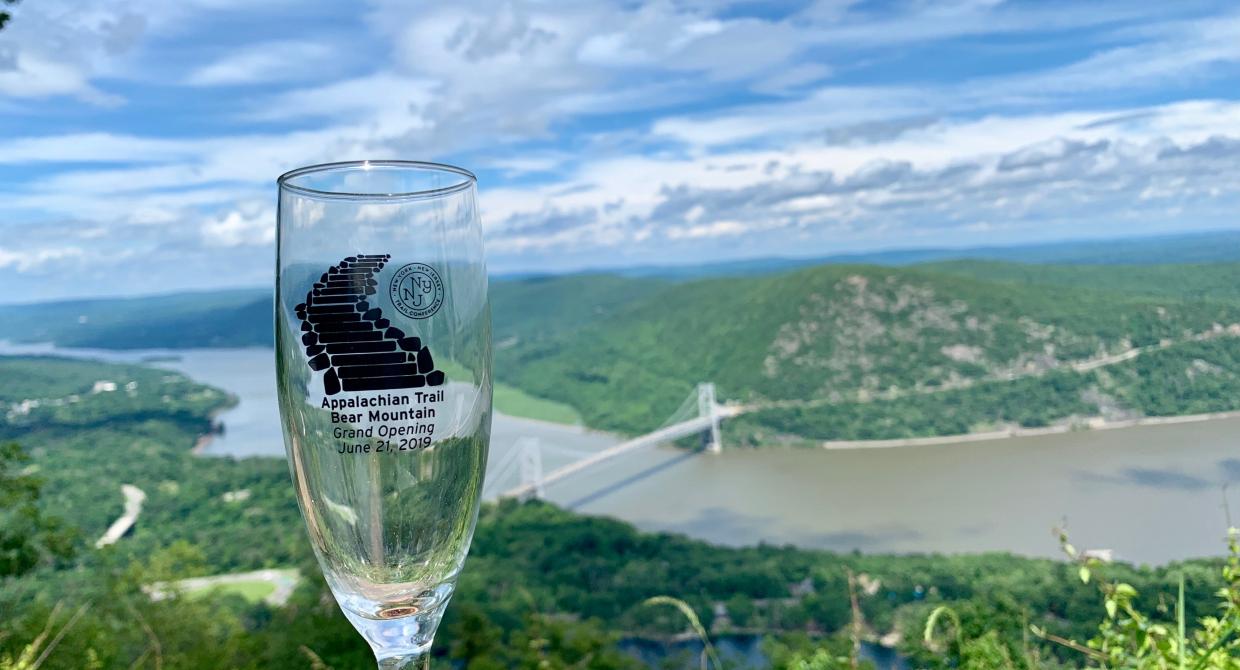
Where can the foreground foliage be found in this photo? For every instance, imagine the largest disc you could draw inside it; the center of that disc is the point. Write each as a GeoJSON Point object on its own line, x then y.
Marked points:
{"type": "Point", "coordinates": [543, 587]}
{"type": "Point", "coordinates": [1127, 638]}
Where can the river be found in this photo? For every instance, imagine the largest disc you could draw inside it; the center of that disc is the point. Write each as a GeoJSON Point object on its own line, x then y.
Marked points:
{"type": "Point", "coordinates": [1151, 494]}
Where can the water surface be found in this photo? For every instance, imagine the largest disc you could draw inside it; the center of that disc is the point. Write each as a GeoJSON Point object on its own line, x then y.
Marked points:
{"type": "Point", "coordinates": [1151, 494]}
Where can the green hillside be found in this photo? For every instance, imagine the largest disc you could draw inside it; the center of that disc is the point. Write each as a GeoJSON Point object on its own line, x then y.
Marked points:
{"type": "Point", "coordinates": [854, 334]}
{"type": "Point", "coordinates": [834, 352]}
{"type": "Point", "coordinates": [551, 307]}
{"type": "Point", "coordinates": [176, 321]}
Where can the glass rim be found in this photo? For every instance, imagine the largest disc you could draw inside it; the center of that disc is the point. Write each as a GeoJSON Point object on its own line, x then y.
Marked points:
{"type": "Point", "coordinates": [284, 181]}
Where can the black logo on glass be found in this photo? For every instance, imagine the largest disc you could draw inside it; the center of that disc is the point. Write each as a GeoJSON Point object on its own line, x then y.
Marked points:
{"type": "Point", "coordinates": [417, 290]}
{"type": "Point", "coordinates": [359, 349]}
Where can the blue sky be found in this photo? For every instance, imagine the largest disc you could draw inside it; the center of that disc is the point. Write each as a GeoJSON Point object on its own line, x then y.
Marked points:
{"type": "Point", "coordinates": [141, 139]}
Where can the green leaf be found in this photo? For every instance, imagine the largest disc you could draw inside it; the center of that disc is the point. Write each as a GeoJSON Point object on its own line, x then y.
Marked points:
{"type": "Point", "coordinates": [1084, 574]}
{"type": "Point", "coordinates": [1112, 607]}
{"type": "Point", "coordinates": [708, 649]}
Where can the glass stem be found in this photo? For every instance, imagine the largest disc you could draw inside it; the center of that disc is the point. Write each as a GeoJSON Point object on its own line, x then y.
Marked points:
{"type": "Point", "coordinates": [406, 662]}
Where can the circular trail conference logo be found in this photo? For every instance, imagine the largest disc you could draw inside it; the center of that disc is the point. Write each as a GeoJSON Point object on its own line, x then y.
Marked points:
{"type": "Point", "coordinates": [417, 290]}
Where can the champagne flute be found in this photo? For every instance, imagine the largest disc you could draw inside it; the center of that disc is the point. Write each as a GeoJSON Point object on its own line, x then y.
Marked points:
{"type": "Point", "coordinates": [383, 359]}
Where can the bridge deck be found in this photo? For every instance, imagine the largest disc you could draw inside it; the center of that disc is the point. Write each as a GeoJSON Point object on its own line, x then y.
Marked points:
{"type": "Point", "coordinates": [667, 434]}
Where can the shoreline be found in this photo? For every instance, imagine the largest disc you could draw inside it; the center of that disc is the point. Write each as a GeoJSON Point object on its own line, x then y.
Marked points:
{"type": "Point", "coordinates": [204, 441]}
{"type": "Point", "coordinates": [217, 427]}
{"type": "Point", "coordinates": [201, 444]}
{"type": "Point", "coordinates": [1091, 424]}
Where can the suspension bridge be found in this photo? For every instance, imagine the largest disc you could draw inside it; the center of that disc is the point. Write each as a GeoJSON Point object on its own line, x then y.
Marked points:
{"type": "Point", "coordinates": [700, 414]}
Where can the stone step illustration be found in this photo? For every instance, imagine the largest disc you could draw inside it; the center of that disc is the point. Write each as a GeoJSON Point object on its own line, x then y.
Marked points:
{"type": "Point", "coordinates": [351, 342]}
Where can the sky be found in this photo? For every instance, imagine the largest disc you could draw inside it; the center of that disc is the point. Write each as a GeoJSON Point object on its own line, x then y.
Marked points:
{"type": "Point", "coordinates": [141, 139]}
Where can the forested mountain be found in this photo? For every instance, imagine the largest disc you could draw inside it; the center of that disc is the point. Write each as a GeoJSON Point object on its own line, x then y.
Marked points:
{"type": "Point", "coordinates": [891, 342]}
{"type": "Point", "coordinates": [831, 352]}
{"type": "Point", "coordinates": [531, 301]}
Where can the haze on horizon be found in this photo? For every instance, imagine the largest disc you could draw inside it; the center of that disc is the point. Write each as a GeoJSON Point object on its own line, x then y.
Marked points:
{"type": "Point", "coordinates": [142, 139]}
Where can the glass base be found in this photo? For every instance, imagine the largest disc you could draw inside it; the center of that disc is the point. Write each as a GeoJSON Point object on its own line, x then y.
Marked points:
{"type": "Point", "coordinates": [400, 642]}
{"type": "Point", "coordinates": [410, 662]}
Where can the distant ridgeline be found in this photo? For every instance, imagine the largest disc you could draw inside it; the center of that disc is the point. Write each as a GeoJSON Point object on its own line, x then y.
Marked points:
{"type": "Point", "coordinates": [830, 352]}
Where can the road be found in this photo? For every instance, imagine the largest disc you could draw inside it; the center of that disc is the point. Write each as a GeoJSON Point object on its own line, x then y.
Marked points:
{"type": "Point", "coordinates": [134, 497]}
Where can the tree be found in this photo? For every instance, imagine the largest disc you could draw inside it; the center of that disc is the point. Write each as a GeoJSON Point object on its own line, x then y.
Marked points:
{"type": "Point", "coordinates": [5, 16]}
{"type": "Point", "coordinates": [28, 537]}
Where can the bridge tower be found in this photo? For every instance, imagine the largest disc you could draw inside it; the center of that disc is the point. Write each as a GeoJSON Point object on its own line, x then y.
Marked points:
{"type": "Point", "coordinates": [708, 408]}
{"type": "Point", "coordinates": [531, 466]}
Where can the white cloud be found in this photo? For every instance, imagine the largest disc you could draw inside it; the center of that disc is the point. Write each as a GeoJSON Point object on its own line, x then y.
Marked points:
{"type": "Point", "coordinates": [94, 147]}
{"type": "Point", "coordinates": [855, 25]}
{"type": "Point", "coordinates": [1182, 53]}
{"type": "Point", "coordinates": [383, 97]}
{"type": "Point", "coordinates": [827, 107]}
{"type": "Point", "coordinates": [565, 107]}
{"type": "Point", "coordinates": [35, 76]}
{"type": "Point", "coordinates": [526, 164]}
{"type": "Point", "coordinates": [951, 174]}
{"type": "Point", "coordinates": [55, 48]}
{"type": "Point", "coordinates": [716, 229]}
{"type": "Point", "coordinates": [28, 260]}
{"type": "Point", "coordinates": [267, 62]}
{"type": "Point", "coordinates": [252, 224]}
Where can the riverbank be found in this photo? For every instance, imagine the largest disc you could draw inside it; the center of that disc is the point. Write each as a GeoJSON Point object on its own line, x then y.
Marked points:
{"type": "Point", "coordinates": [217, 426]}
{"type": "Point", "coordinates": [1097, 423]}
{"type": "Point", "coordinates": [962, 497]}
{"type": "Point", "coordinates": [1090, 424]}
